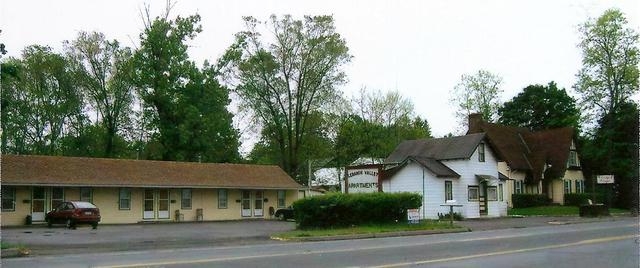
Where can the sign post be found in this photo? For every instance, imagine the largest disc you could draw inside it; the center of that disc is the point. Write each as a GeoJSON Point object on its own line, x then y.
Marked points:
{"type": "Point", "coordinates": [450, 204]}
{"type": "Point", "coordinates": [609, 180]}
{"type": "Point", "coordinates": [413, 216]}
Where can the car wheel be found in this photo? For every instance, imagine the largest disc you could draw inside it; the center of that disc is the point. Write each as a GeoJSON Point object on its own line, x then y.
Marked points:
{"type": "Point", "coordinates": [94, 225]}
{"type": "Point", "coordinates": [70, 224]}
{"type": "Point", "coordinates": [49, 223]}
{"type": "Point", "coordinates": [280, 217]}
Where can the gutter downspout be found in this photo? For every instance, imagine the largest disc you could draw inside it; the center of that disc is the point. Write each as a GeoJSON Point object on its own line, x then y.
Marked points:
{"type": "Point", "coordinates": [424, 200]}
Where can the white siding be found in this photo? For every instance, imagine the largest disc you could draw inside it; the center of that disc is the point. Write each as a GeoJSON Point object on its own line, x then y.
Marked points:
{"type": "Point", "coordinates": [413, 176]}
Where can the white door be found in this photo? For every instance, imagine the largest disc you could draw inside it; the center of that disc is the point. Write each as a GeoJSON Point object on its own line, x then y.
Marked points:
{"type": "Point", "coordinates": [258, 204]}
{"type": "Point", "coordinates": [38, 202]}
{"type": "Point", "coordinates": [163, 204]}
{"type": "Point", "coordinates": [149, 205]}
{"type": "Point", "coordinates": [246, 203]}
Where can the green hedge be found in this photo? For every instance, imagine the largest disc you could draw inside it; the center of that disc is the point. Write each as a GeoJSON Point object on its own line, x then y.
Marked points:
{"type": "Point", "coordinates": [529, 200]}
{"type": "Point", "coordinates": [581, 199]}
{"type": "Point", "coordinates": [340, 210]}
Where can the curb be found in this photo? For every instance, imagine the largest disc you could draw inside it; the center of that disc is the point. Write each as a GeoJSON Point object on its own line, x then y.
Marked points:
{"type": "Point", "coordinates": [373, 235]}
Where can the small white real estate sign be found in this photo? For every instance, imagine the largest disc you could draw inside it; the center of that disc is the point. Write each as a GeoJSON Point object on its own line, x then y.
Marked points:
{"type": "Point", "coordinates": [362, 180]}
{"type": "Point", "coordinates": [413, 215]}
{"type": "Point", "coordinates": [605, 179]}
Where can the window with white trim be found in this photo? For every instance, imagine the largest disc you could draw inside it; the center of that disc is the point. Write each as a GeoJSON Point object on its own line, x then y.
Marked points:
{"type": "Point", "coordinates": [282, 198]}
{"type": "Point", "coordinates": [573, 157]}
{"type": "Point", "coordinates": [492, 193]}
{"type": "Point", "coordinates": [222, 198]}
{"type": "Point", "coordinates": [57, 196]}
{"type": "Point", "coordinates": [124, 198]}
{"type": "Point", "coordinates": [86, 195]}
{"type": "Point", "coordinates": [580, 186]}
{"type": "Point", "coordinates": [185, 202]}
{"type": "Point", "coordinates": [8, 198]}
{"type": "Point", "coordinates": [517, 187]}
{"type": "Point", "coordinates": [448, 191]}
{"type": "Point", "coordinates": [481, 152]}
{"type": "Point", "coordinates": [473, 192]}
{"type": "Point", "coordinates": [567, 186]}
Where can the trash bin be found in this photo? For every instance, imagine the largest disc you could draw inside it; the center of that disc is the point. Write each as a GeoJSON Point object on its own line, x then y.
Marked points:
{"type": "Point", "coordinates": [28, 220]}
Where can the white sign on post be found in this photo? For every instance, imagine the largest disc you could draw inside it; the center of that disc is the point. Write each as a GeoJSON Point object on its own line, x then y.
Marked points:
{"type": "Point", "coordinates": [362, 180]}
{"type": "Point", "coordinates": [605, 179]}
{"type": "Point", "coordinates": [413, 215]}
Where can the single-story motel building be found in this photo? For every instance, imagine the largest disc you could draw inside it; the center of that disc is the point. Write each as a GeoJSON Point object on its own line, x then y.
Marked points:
{"type": "Point", "coordinates": [133, 191]}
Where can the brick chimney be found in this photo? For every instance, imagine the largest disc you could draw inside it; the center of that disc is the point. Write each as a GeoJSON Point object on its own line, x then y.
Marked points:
{"type": "Point", "coordinates": [475, 123]}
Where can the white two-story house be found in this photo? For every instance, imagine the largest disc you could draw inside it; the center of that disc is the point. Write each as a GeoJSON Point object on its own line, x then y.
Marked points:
{"type": "Point", "coordinates": [458, 170]}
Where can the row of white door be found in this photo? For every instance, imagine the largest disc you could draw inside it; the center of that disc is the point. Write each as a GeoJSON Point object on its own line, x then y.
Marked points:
{"type": "Point", "coordinates": [156, 203]}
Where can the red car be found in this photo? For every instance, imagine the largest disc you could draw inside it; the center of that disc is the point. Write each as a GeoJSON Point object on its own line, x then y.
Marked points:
{"type": "Point", "coordinates": [73, 212]}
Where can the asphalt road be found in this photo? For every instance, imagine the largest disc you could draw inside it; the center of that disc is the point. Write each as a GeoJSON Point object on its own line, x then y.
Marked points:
{"type": "Point", "coordinates": [596, 244]}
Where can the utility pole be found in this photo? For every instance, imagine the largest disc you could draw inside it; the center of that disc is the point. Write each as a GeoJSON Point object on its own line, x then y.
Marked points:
{"type": "Point", "coordinates": [309, 179]}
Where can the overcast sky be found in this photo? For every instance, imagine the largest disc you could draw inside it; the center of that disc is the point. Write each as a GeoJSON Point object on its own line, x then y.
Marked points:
{"type": "Point", "coordinates": [420, 48]}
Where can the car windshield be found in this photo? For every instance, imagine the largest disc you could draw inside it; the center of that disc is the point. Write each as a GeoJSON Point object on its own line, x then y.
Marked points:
{"type": "Point", "coordinates": [84, 205]}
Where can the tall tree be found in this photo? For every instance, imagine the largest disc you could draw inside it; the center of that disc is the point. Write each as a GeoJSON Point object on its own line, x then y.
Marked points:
{"type": "Point", "coordinates": [102, 70]}
{"type": "Point", "coordinates": [540, 107]}
{"type": "Point", "coordinates": [3, 49]}
{"type": "Point", "coordinates": [188, 106]}
{"type": "Point", "coordinates": [477, 93]}
{"type": "Point", "coordinates": [285, 81]}
{"type": "Point", "coordinates": [362, 138]}
{"type": "Point", "coordinates": [606, 83]}
{"type": "Point", "coordinates": [609, 75]}
{"type": "Point", "coordinates": [42, 103]}
{"type": "Point", "coordinates": [385, 109]}
{"type": "Point", "coordinates": [613, 149]}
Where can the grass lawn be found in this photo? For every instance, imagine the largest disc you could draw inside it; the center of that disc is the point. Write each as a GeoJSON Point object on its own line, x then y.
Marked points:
{"type": "Point", "coordinates": [555, 211]}
{"type": "Point", "coordinates": [368, 229]}
{"type": "Point", "coordinates": [5, 245]}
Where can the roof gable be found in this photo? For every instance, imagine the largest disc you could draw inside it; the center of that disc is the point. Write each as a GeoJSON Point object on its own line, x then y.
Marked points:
{"type": "Point", "coordinates": [97, 172]}
{"type": "Point", "coordinates": [461, 147]}
{"type": "Point", "coordinates": [540, 153]}
{"type": "Point", "coordinates": [436, 167]}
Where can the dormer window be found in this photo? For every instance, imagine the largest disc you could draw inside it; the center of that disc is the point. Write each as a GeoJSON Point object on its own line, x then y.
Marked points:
{"type": "Point", "coordinates": [573, 157]}
{"type": "Point", "coordinates": [481, 152]}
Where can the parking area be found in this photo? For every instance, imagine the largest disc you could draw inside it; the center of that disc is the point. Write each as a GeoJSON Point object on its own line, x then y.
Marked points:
{"type": "Point", "coordinates": [42, 240]}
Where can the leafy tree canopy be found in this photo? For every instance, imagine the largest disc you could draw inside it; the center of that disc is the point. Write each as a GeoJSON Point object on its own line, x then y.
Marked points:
{"type": "Point", "coordinates": [540, 107]}
{"type": "Point", "coordinates": [188, 105]}
{"type": "Point", "coordinates": [609, 75]}
{"type": "Point", "coordinates": [477, 93]}
{"type": "Point", "coordinates": [101, 68]}
{"type": "Point", "coordinates": [286, 77]}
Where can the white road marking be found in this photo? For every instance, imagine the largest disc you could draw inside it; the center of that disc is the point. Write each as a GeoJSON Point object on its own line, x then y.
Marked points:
{"type": "Point", "coordinates": [583, 242]}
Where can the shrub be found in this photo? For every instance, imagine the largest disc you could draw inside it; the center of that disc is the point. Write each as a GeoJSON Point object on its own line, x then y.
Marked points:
{"type": "Point", "coordinates": [529, 200]}
{"type": "Point", "coordinates": [339, 210]}
{"type": "Point", "coordinates": [594, 210]}
{"type": "Point", "coordinates": [456, 216]}
{"type": "Point", "coordinates": [581, 199]}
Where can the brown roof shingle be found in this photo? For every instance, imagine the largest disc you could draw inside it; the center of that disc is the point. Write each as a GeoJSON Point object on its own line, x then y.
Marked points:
{"type": "Point", "coordinates": [541, 153]}
{"type": "Point", "coordinates": [460, 147]}
{"type": "Point", "coordinates": [103, 172]}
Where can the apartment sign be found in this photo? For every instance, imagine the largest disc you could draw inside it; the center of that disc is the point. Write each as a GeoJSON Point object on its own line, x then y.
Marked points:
{"type": "Point", "coordinates": [605, 179]}
{"type": "Point", "coordinates": [362, 180]}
